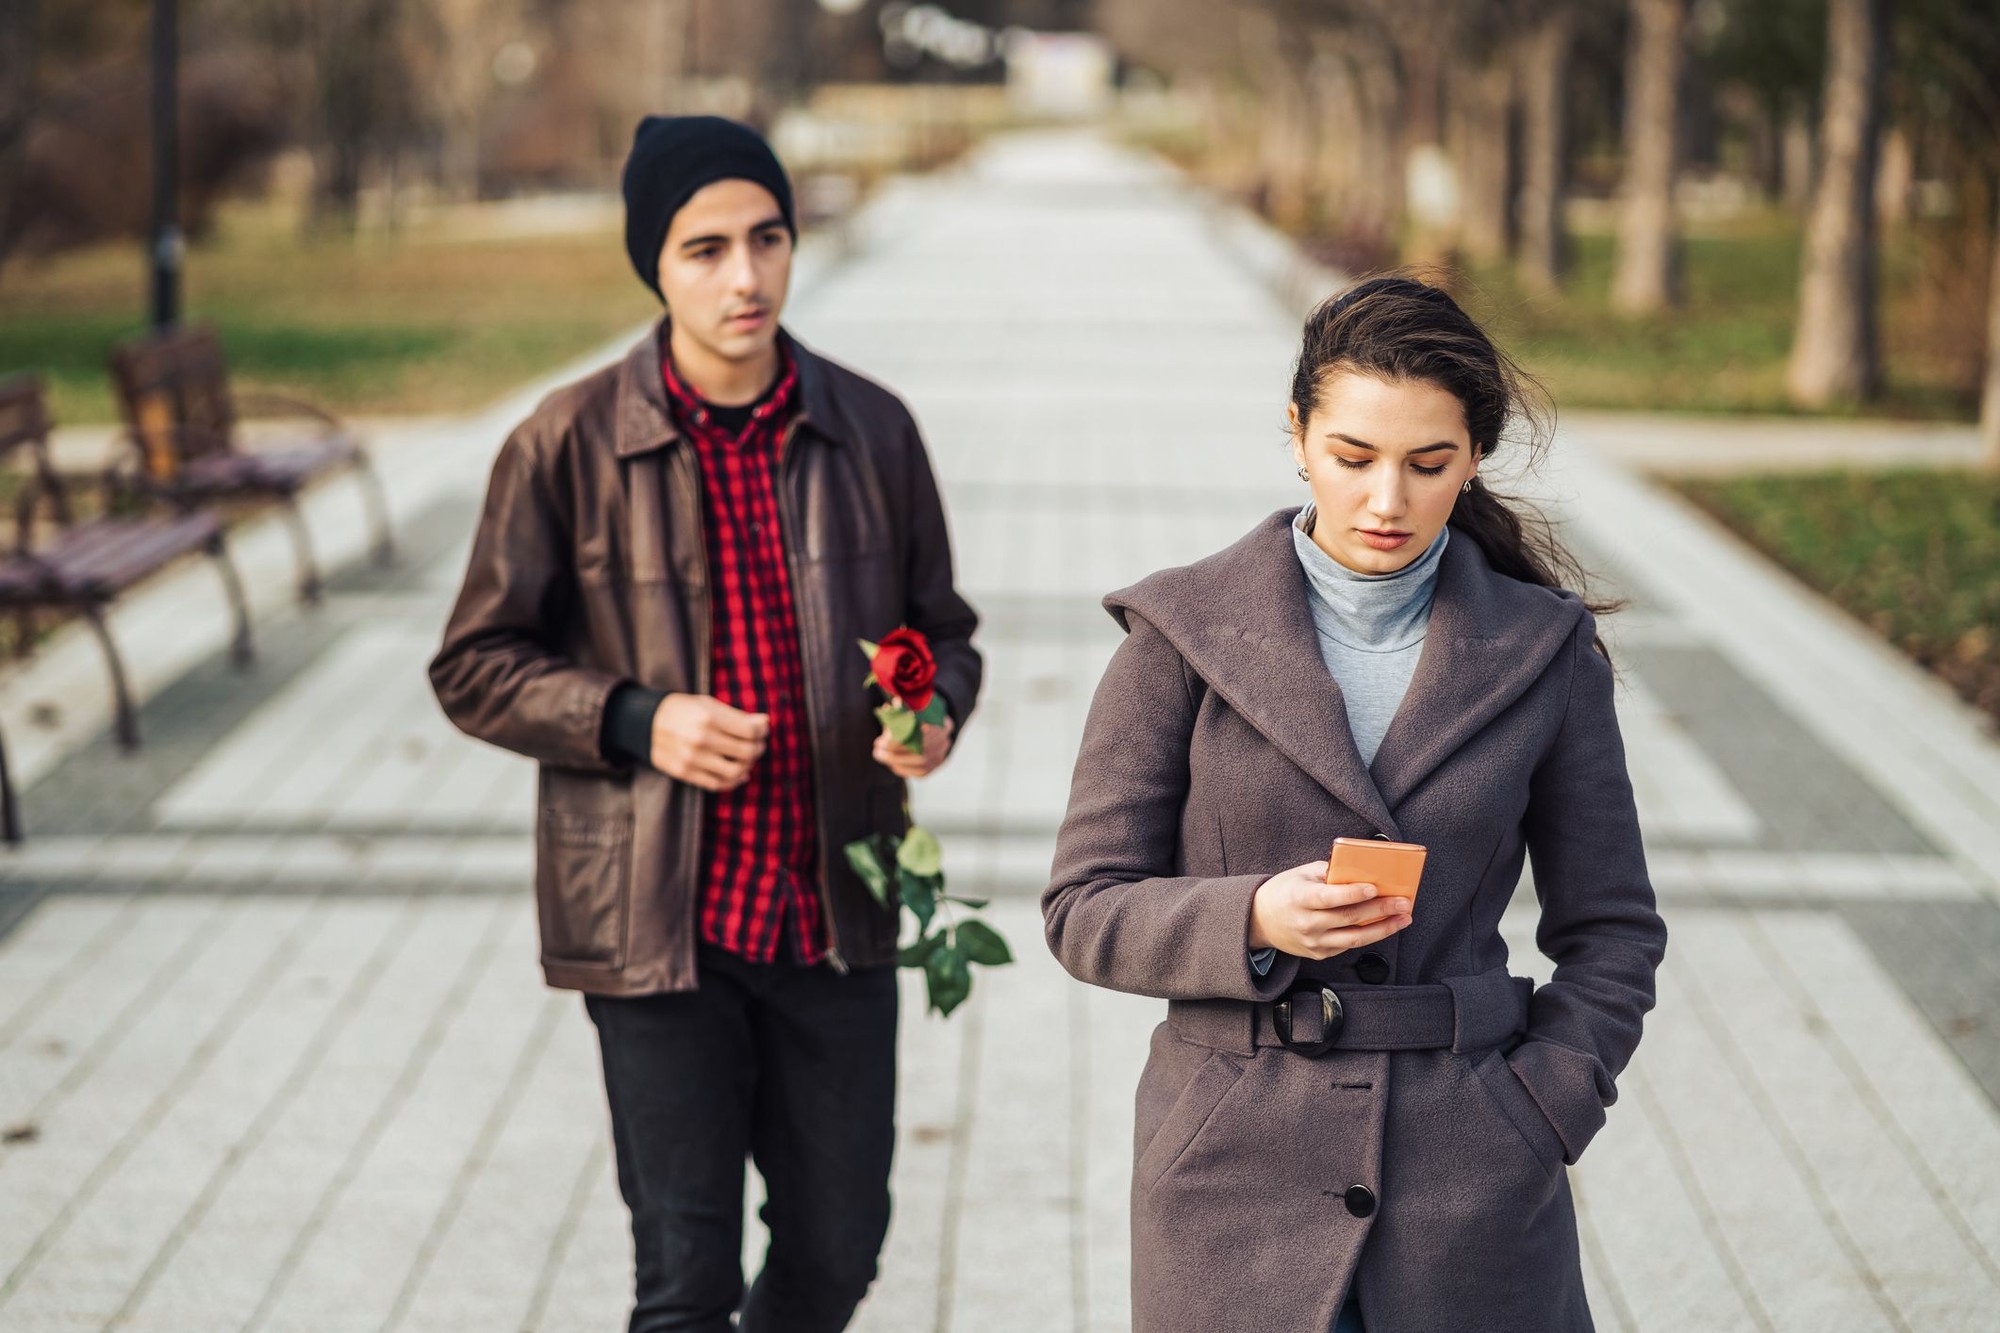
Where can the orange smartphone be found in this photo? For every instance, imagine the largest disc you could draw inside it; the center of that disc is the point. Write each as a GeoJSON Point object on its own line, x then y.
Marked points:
{"type": "Point", "coordinates": [1392, 867]}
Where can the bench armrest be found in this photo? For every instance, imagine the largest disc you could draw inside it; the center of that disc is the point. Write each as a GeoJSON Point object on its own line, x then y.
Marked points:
{"type": "Point", "coordinates": [258, 404]}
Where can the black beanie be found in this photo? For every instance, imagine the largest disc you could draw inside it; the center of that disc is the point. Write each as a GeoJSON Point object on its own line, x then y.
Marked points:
{"type": "Point", "coordinates": [673, 157]}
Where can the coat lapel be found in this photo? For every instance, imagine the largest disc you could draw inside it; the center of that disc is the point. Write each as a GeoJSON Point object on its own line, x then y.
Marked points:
{"type": "Point", "coordinates": [1489, 639]}
{"type": "Point", "coordinates": [1241, 620]}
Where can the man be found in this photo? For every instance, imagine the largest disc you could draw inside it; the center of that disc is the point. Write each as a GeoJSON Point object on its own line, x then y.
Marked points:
{"type": "Point", "coordinates": [676, 562]}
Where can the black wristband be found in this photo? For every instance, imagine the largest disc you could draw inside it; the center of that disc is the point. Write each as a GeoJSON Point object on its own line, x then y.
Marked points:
{"type": "Point", "coordinates": [627, 731]}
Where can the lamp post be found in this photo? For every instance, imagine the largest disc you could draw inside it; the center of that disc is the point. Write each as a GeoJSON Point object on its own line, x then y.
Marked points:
{"type": "Point", "coordinates": [164, 251]}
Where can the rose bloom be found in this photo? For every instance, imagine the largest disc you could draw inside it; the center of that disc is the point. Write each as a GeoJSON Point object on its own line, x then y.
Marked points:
{"type": "Point", "coordinates": [905, 668]}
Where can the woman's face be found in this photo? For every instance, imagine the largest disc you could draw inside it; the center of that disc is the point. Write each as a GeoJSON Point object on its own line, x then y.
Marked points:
{"type": "Point", "coordinates": [1385, 459]}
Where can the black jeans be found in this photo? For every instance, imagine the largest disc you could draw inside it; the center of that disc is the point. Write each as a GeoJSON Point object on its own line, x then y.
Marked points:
{"type": "Point", "coordinates": [793, 1067]}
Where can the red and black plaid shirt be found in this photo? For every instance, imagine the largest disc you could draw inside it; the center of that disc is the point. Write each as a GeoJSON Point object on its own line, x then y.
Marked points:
{"type": "Point", "coordinates": [762, 843]}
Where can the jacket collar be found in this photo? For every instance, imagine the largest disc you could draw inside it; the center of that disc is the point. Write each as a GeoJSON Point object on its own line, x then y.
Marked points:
{"type": "Point", "coordinates": [645, 422]}
{"type": "Point", "coordinates": [1240, 619]}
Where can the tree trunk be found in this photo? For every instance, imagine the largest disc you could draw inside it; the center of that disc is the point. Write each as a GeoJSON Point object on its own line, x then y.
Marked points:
{"type": "Point", "coordinates": [1895, 179]}
{"type": "Point", "coordinates": [1989, 400]}
{"type": "Point", "coordinates": [1381, 179]}
{"type": "Point", "coordinates": [1647, 277]}
{"type": "Point", "coordinates": [19, 23]}
{"type": "Point", "coordinates": [1799, 163]}
{"type": "Point", "coordinates": [1433, 184]}
{"type": "Point", "coordinates": [1286, 149]}
{"type": "Point", "coordinates": [1544, 64]}
{"type": "Point", "coordinates": [1834, 352]}
{"type": "Point", "coordinates": [1483, 148]}
{"type": "Point", "coordinates": [1336, 102]}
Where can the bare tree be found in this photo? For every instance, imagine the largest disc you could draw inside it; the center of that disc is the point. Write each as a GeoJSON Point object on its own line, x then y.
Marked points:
{"type": "Point", "coordinates": [467, 36]}
{"type": "Point", "coordinates": [19, 20]}
{"type": "Point", "coordinates": [1989, 398]}
{"type": "Point", "coordinates": [1544, 71]}
{"type": "Point", "coordinates": [1382, 195]}
{"type": "Point", "coordinates": [1360, 83]}
{"type": "Point", "coordinates": [1483, 99]}
{"type": "Point", "coordinates": [1834, 352]}
{"type": "Point", "coordinates": [1276, 44]}
{"type": "Point", "coordinates": [1647, 277]}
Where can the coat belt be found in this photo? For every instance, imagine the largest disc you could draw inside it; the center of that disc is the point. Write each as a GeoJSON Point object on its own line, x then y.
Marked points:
{"type": "Point", "coordinates": [1462, 1014]}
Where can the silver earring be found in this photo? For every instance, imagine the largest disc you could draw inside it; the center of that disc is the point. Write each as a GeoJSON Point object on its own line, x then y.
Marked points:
{"type": "Point", "coordinates": [1303, 475]}
{"type": "Point", "coordinates": [1467, 488]}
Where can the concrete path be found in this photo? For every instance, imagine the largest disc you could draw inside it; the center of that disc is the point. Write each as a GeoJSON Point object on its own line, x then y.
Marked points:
{"type": "Point", "coordinates": [1708, 445]}
{"type": "Point", "coordinates": [274, 1054]}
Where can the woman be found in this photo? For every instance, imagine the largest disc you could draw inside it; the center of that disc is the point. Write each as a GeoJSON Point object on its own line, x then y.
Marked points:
{"type": "Point", "coordinates": [1383, 1147]}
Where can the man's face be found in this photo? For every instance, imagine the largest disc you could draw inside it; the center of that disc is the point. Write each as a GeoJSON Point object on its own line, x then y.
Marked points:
{"type": "Point", "coordinates": [725, 268]}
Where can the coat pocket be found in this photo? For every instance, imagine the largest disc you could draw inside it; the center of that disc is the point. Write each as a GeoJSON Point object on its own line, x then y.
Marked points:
{"type": "Point", "coordinates": [1186, 1118]}
{"type": "Point", "coordinates": [583, 872]}
{"type": "Point", "coordinates": [1518, 1105]}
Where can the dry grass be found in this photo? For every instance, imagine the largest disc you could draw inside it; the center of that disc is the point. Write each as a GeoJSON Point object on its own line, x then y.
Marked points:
{"type": "Point", "coordinates": [380, 324]}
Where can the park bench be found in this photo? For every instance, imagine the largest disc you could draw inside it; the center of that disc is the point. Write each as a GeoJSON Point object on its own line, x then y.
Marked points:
{"type": "Point", "coordinates": [81, 565]}
{"type": "Point", "coordinates": [182, 419]}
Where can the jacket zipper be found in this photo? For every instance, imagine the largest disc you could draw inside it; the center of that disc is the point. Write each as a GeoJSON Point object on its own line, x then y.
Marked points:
{"type": "Point", "coordinates": [704, 683]}
{"type": "Point", "coordinates": [788, 540]}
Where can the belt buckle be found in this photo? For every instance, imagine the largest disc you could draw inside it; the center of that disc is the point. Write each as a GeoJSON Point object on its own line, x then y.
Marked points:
{"type": "Point", "coordinates": [1332, 1018]}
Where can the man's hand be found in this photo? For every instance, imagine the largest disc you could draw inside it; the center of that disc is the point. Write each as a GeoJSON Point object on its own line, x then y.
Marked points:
{"type": "Point", "coordinates": [1297, 912]}
{"type": "Point", "coordinates": [706, 743]}
{"type": "Point", "coordinates": [907, 763]}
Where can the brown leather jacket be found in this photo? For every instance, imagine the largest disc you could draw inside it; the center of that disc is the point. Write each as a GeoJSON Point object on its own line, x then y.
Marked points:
{"type": "Point", "coordinates": [588, 569]}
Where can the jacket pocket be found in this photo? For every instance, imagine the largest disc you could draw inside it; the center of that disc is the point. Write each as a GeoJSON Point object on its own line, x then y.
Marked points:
{"type": "Point", "coordinates": [1518, 1105]}
{"type": "Point", "coordinates": [1186, 1118]}
{"type": "Point", "coordinates": [583, 873]}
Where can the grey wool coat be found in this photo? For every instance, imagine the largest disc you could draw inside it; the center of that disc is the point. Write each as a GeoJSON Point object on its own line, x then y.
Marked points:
{"type": "Point", "coordinates": [1217, 753]}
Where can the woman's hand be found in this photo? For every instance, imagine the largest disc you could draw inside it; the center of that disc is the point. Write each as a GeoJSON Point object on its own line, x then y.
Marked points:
{"type": "Point", "coordinates": [1297, 912]}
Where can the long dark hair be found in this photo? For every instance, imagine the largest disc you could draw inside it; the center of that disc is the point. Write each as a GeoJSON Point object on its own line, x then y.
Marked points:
{"type": "Point", "coordinates": [1398, 327]}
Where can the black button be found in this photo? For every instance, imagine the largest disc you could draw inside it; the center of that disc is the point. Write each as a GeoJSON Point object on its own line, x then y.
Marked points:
{"type": "Point", "coordinates": [1372, 968]}
{"type": "Point", "coordinates": [1360, 1200]}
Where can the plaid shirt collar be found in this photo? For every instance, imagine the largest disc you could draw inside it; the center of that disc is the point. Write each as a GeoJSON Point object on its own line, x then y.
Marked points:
{"type": "Point", "coordinates": [691, 410]}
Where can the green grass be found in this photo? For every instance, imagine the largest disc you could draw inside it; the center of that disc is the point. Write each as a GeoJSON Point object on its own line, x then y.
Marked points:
{"type": "Point", "coordinates": [1724, 350]}
{"type": "Point", "coordinates": [1915, 555]}
{"type": "Point", "coordinates": [413, 324]}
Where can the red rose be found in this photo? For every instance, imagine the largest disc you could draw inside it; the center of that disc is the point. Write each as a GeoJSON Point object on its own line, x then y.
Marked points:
{"type": "Point", "coordinates": [905, 668]}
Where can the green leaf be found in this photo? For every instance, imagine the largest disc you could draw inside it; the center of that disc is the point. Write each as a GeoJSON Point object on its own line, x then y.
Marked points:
{"type": "Point", "coordinates": [865, 856]}
{"type": "Point", "coordinates": [933, 712]}
{"type": "Point", "coordinates": [983, 944]}
{"type": "Point", "coordinates": [920, 895]}
{"type": "Point", "coordinates": [918, 952]}
{"type": "Point", "coordinates": [920, 853]}
{"type": "Point", "coordinates": [948, 978]}
{"type": "Point", "coordinates": [902, 726]}
{"type": "Point", "coordinates": [869, 681]}
{"type": "Point", "coordinates": [869, 650]}
{"type": "Point", "coordinates": [976, 904]}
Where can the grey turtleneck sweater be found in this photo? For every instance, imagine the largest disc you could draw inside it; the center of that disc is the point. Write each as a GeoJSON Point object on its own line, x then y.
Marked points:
{"type": "Point", "coordinates": [1371, 631]}
{"type": "Point", "coordinates": [1371, 628]}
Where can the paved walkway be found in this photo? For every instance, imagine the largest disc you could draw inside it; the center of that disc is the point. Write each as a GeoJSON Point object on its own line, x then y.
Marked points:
{"type": "Point", "coordinates": [1711, 445]}
{"type": "Point", "coordinates": [273, 1051]}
